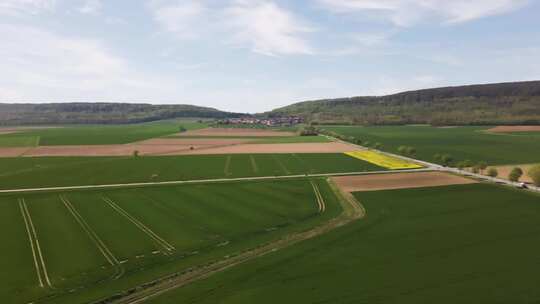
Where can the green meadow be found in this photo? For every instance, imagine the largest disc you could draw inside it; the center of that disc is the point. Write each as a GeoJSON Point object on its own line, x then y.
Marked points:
{"type": "Point", "coordinates": [454, 244]}
{"type": "Point", "coordinates": [95, 134]}
{"type": "Point", "coordinates": [462, 143]}
{"type": "Point", "coordinates": [100, 243]}
{"type": "Point", "coordinates": [23, 172]}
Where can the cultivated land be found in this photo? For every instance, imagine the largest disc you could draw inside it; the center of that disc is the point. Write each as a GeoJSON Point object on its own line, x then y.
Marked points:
{"type": "Point", "coordinates": [93, 135]}
{"type": "Point", "coordinates": [398, 181]}
{"type": "Point", "coordinates": [122, 238]}
{"type": "Point", "coordinates": [236, 132]}
{"type": "Point", "coordinates": [463, 143]}
{"type": "Point", "coordinates": [222, 240]}
{"type": "Point", "coordinates": [454, 244]}
{"type": "Point", "coordinates": [28, 172]}
{"type": "Point", "coordinates": [511, 129]}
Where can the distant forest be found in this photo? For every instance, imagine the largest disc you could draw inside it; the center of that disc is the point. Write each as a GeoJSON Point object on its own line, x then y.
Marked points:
{"type": "Point", "coordinates": [490, 104]}
{"type": "Point", "coordinates": [100, 113]}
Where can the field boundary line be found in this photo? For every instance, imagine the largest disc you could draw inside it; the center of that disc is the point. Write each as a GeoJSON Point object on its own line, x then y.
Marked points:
{"type": "Point", "coordinates": [253, 164]}
{"type": "Point", "coordinates": [36, 239]}
{"type": "Point", "coordinates": [227, 165]}
{"type": "Point", "coordinates": [206, 181]}
{"type": "Point", "coordinates": [163, 243]}
{"type": "Point", "coordinates": [351, 212]}
{"type": "Point", "coordinates": [31, 241]}
{"type": "Point", "coordinates": [320, 200]}
{"type": "Point", "coordinates": [105, 251]}
{"type": "Point", "coordinates": [281, 165]}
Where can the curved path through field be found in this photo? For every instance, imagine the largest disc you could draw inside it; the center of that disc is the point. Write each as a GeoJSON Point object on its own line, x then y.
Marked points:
{"type": "Point", "coordinates": [352, 210]}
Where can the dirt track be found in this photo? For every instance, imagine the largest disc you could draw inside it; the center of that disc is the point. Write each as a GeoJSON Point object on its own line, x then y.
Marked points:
{"type": "Point", "coordinates": [352, 210]}
{"type": "Point", "coordinates": [398, 181]}
{"type": "Point", "coordinates": [235, 132]}
{"type": "Point", "coordinates": [508, 129]}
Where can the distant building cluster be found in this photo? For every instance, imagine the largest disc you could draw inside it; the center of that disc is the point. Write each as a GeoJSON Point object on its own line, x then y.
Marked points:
{"type": "Point", "coordinates": [275, 121]}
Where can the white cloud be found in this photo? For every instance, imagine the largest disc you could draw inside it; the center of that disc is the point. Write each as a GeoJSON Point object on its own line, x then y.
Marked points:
{"type": "Point", "coordinates": [268, 28]}
{"type": "Point", "coordinates": [38, 65]}
{"type": "Point", "coordinates": [21, 7]}
{"type": "Point", "coordinates": [91, 7]}
{"type": "Point", "coordinates": [409, 12]}
{"type": "Point", "coordinates": [180, 18]}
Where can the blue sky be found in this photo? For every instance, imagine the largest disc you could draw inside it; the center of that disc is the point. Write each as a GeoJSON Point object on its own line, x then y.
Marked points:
{"type": "Point", "coordinates": [256, 55]}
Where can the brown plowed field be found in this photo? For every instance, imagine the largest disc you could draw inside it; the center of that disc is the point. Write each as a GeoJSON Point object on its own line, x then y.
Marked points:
{"type": "Point", "coordinates": [193, 141]}
{"type": "Point", "coordinates": [398, 181]}
{"type": "Point", "coordinates": [509, 129]}
{"type": "Point", "coordinates": [168, 147]}
{"type": "Point", "coordinates": [235, 132]}
{"type": "Point", "coordinates": [331, 147]}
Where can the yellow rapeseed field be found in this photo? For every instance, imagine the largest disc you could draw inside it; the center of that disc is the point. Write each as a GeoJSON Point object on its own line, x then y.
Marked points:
{"type": "Point", "coordinates": [383, 160]}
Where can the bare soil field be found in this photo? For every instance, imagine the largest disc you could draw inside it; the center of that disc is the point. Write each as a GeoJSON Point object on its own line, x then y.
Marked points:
{"type": "Point", "coordinates": [13, 152]}
{"type": "Point", "coordinates": [193, 141]}
{"type": "Point", "coordinates": [177, 147]}
{"type": "Point", "coordinates": [235, 132]}
{"type": "Point", "coordinates": [509, 129]}
{"type": "Point", "coordinates": [105, 150]}
{"type": "Point", "coordinates": [398, 181]}
{"type": "Point", "coordinates": [504, 171]}
{"type": "Point", "coordinates": [331, 147]}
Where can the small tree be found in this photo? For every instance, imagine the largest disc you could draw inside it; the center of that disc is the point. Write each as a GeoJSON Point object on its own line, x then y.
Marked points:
{"type": "Point", "coordinates": [482, 165]}
{"type": "Point", "coordinates": [411, 151]}
{"type": "Point", "coordinates": [467, 163]}
{"type": "Point", "coordinates": [359, 142]}
{"type": "Point", "coordinates": [492, 172]}
{"type": "Point", "coordinates": [437, 157]}
{"type": "Point", "coordinates": [534, 174]}
{"type": "Point", "coordinates": [378, 146]}
{"type": "Point", "coordinates": [461, 165]}
{"type": "Point", "coordinates": [402, 150]}
{"type": "Point", "coordinates": [476, 169]}
{"type": "Point", "coordinates": [447, 159]}
{"type": "Point", "coordinates": [367, 144]}
{"type": "Point", "coordinates": [182, 129]}
{"type": "Point", "coordinates": [136, 153]}
{"type": "Point", "coordinates": [515, 174]}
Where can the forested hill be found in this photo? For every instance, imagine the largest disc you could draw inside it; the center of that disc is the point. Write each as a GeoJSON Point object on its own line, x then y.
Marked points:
{"type": "Point", "coordinates": [501, 103]}
{"type": "Point", "coordinates": [100, 113]}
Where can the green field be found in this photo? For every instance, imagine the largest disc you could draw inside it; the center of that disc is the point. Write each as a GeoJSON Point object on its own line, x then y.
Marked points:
{"type": "Point", "coordinates": [119, 239]}
{"type": "Point", "coordinates": [462, 143]}
{"type": "Point", "coordinates": [22, 172]}
{"type": "Point", "coordinates": [94, 135]}
{"type": "Point", "coordinates": [453, 244]}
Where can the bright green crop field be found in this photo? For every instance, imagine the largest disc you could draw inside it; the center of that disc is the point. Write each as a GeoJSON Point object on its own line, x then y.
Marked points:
{"type": "Point", "coordinates": [94, 135]}
{"type": "Point", "coordinates": [23, 172]}
{"type": "Point", "coordinates": [462, 143]}
{"type": "Point", "coordinates": [99, 243]}
{"type": "Point", "coordinates": [454, 244]}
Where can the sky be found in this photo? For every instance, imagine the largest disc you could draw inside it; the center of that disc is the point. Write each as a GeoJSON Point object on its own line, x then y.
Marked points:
{"type": "Point", "coordinates": [257, 55]}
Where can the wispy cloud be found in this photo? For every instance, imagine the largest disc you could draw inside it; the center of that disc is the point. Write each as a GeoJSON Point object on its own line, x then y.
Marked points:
{"type": "Point", "coordinates": [91, 7]}
{"type": "Point", "coordinates": [181, 18]}
{"type": "Point", "coordinates": [22, 7]}
{"type": "Point", "coordinates": [41, 64]}
{"type": "Point", "coordinates": [268, 28]}
{"type": "Point", "coordinates": [410, 12]}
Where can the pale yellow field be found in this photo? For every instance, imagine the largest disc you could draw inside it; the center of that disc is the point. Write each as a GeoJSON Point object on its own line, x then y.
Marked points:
{"type": "Point", "coordinates": [383, 160]}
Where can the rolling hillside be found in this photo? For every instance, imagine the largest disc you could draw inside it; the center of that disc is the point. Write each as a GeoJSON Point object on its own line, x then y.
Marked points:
{"type": "Point", "coordinates": [99, 113]}
{"type": "Point", "coordinates": [502, 103]}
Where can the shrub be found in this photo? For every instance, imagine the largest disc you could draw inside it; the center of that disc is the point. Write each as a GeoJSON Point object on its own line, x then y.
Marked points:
{"type": "Point", "coordinates": [534, 174]}
{"type": "Point", "coordinates": [515, 174]}
{"type": "Point", "coordinates": [492, 172]}
{"type": "Point", "coordinates": [136, 153]}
